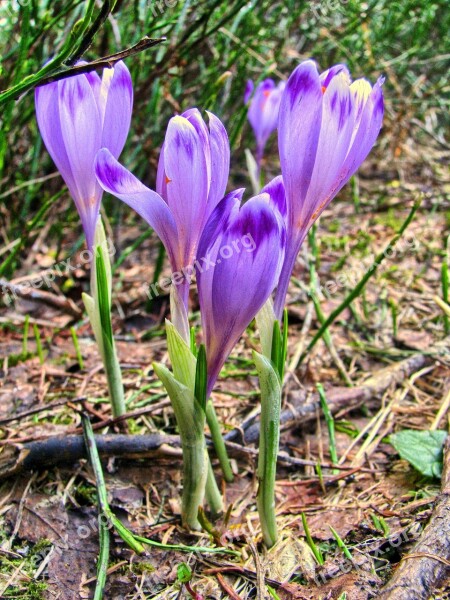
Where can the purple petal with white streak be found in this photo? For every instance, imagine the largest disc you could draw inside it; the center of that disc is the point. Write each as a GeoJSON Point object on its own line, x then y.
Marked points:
{"type": "Point", "coordinates": [49, 122]}
{"type": "Point", "coordinates": [194, 117]}
{"type": "Point", "coordinates": [117, 180]}
{"type": "Point", "coordinates": [338, 118]}
{"type": "Point", "coordinates": [327, 76]}
{"type": "Point", "coordinates": [298, 135]}
{"type": "Point", "coordinates": [187, 184]}
{"type": "Point", "coordinates": [117, 93]}
{"type": "Point", "coordinates": [369, 126]}
{"type": "Point", "coordinates": [247, 246]}
{"type": "Point", "coordinates": [81, 132]}
{"type": "Point", "coordinates": [220, 161]}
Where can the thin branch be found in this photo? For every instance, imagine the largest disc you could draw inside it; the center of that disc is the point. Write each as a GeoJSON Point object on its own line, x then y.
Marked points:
{"type": "Point", "coordinates": [108, 61]}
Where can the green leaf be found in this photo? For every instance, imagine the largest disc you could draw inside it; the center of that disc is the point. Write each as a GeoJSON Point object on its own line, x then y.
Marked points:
{"type": "Point", "coordinates": [190, 416]}
{"type": "Point", "coordinates": [284, 344]}
{"type": "Point", "coordinates": [181, 357]}
{"type": "Point", "coordinates": [277, 350]}
{"type": "Point", "coordinates": [201, 377]}
{"type": "Point", "coordinates": [192, 341]}
{"type": "Point", "coordinates": [94, 319]}
{"type": "Point", "coordinates": [101, 246]}
{"type": "Point", "coordinates": [422, 449]}
{"type": "Point", "coordinates": [184, 573]}
{"type": "Point", "coordinates": [265, 320]}
{"type": "Point", "coordinates": [103, 295]}
{"type": "Point", "coordinates": [268, 445]}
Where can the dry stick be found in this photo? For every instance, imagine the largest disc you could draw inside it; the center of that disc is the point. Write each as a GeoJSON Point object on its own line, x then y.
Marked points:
{"type": "Point", "coordinates": [62, 450]}
{"type": "Point", "coordinates": [427, 566]}
{"type": "Point", "coordinates": [26, 293]}
{"type": "Point", "coordinates": [54, 450]}
{"type": "Point", "coordinates": [68, 449]}
{"type": "Point", "coordinates": [104, 62]}
{"type": "Point", "coordinates": [101, 63]}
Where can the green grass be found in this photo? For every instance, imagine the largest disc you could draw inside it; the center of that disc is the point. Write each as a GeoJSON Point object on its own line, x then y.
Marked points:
{"type": "Point", "coordinates": [212, 48]}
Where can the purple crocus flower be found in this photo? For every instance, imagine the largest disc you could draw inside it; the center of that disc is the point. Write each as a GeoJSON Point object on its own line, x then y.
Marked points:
{"type": "Point", "coordinates": [327, 126]}
{"type": "Point", "coordinates": [191, 180]}
{"type": "Point", "coordinates": [241, 250]}
{"type": "Point", "coordinates": [77, 116]}
{"type": "Point", "coordinates": [263, 111]}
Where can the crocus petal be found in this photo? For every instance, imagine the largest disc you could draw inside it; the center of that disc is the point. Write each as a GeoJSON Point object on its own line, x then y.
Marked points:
{"type": "Point", "coordinates": [249, 86]}
{"type": "Point", "coordinates": [246, 245]}
{"type": "Point", "coordinates": [299, 128]}
{"type": "Point", "coordinates": [260, 114]}
{"type": "Point", "coordinates": [220, 161]}
{"type": "Point", "coordinates": [49, 122]}
{"type": "Point", "coordinates": [161, 177]}
{"type": "Point", "coordinates": [338, 117]}
{"type": "Point", "coordinates": [117, 180]}
{"type": "Point", "coordinates": [116, 93]}
{"type": "Point", "coordinates": [327, 76]}
{"type": "Point", "coordinates": [368, 127]}
{"type": "Point", "coordinates": [81, 132]}
{"type": "Point", "coordinates": [277, 194]}
{"type": "Point", "coordinates": [187, 182]}
{"type": "Point", "coordinates": [334, 133]}
{"type": "Point", "coordinates": [194, 117]}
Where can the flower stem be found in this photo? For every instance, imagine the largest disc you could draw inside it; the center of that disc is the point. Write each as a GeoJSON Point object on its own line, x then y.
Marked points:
{"type": "Point", "coordinates": [268, 446]}
{"type": "Point", "coordinates": [99, 310]}
{"type": "Point", "coordinates": [190, 417]}
{"type": "Point", "coordinates": [195, 470]}
{"type": "Point", "coordinates": [212, 492]}
{"type": "Point", "coordinates": [114, 378]}
{"type": "Point", "coordinates": [103, 560]}
{"type": "Point", "coordinates": [219, 444]}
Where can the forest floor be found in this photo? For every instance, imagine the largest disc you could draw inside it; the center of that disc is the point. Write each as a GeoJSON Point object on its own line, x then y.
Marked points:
{"type": "Point", "coordinates": [385, 368]}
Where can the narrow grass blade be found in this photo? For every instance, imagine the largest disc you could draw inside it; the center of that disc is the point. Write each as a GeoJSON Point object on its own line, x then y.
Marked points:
{"type": "Point", "coordinates": [360, 285]}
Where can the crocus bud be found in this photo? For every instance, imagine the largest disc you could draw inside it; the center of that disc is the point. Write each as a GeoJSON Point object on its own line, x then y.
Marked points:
{"type": "Point", "coordinates": [238, 263]}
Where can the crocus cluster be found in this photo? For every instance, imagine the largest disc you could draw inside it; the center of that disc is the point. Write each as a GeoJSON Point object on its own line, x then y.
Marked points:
{"type": "Point", "coordinates": [326, 127]}
{"type": "Point", "coordinates": [237, 252]}
{"type": "Point", "coordinates": [240, 252]}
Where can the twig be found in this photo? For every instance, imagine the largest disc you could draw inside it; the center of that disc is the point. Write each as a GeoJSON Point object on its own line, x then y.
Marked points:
{"type": "Point", "coordinates": [227, 588]}
{"type": "Point", "coordinates": [105, 62]}
{"type": "Point", "coordinates": [100, 63]}
{"type": "Point", "coordinates": [29, 293]}
{"type": "Point", "coordinates": [67, 449]}
{"type": "Point", "coordinates": [260, 584]}
{"type": "Point", "coordinates": [427, 566]}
